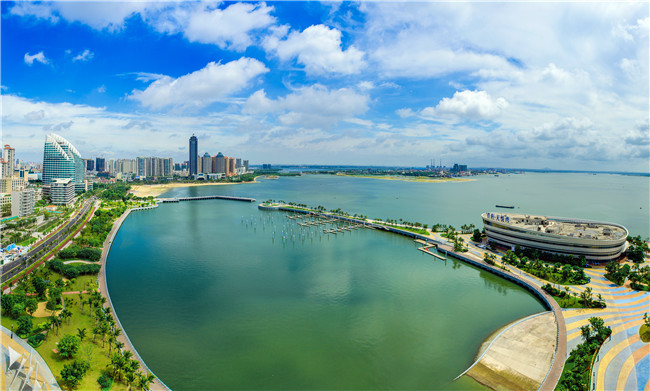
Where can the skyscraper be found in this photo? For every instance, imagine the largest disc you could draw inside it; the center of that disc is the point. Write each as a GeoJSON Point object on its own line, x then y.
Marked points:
{"type": "Point", "coordinates": [9, 156]}
{"type": "Point", "coordinates": [100, 164]}
{"type": "Point", "coordinates": [221, 163]}
{"type": "Point", "coordinates": [206, 164]}
{"type": "Point", "coordinates": [62, 160]}
{"type": "Point", "coordinates": [194, 148]}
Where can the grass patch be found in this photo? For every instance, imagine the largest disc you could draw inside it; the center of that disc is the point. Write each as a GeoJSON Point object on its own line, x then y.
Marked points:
{"type": "Point", "coordinates": [570, 302]}
{"type": "Point", "coordinates": [89, 350]}
{"type": "Point", "coordinates": [644, 333]}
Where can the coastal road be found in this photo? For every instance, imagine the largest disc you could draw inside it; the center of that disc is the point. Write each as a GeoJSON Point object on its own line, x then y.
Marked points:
{"type": "Point", "coordinates": [14, 267]}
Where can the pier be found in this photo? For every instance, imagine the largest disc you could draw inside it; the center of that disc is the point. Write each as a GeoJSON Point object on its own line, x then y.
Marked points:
{"type": "Point", "coordinates": [210, 197]}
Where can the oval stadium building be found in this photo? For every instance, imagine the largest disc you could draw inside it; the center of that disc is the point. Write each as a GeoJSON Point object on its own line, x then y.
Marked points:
{"type": "Point", "coordinates": [596, 240]}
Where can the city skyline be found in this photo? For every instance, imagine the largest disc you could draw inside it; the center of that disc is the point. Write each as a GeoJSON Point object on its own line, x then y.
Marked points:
{"type": "Point", "coordinates": [356, 84]}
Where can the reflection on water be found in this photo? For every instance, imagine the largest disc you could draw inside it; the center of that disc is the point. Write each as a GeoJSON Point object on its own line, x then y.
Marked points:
{"type": "Point", "coordinates": [253, 300]}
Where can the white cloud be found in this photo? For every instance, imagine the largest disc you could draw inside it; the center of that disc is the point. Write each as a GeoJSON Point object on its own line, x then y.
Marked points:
{"type": "Point", "coordinates": [318, 48]}
{"type": "Point", "coordinates": [101, 89]}
{"type": "Point", "coordinates": [230, 27]}
{"type": "Point", "coordinates": [98, 15]}
{"type": "Point", "coordinates": [211, 84]}
{"type": "Point", "coordinates": [405, 113]}
{"type": "Point", "coordinates": [86, 55]}
{"type": "Point", "coordinates": [471, 105]}
{"type": "Point", "coordinates": [40, 57]}
{"type": "Point", "coordinates": [310, 106]}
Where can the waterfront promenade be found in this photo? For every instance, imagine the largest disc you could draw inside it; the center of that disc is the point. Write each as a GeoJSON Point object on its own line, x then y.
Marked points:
{"type": "Point", "coordinates": [623, 363]}
{"type": "Point", "coordinates": [157, 384]}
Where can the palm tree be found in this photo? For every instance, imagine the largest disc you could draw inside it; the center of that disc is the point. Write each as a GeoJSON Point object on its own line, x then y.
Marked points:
{"type": "Point", "coordinates": [81, 333]}
{"type": "Point", "coordinates": [145, 381]}
{"type": "Point", "coordinates": [55, 321]}
{"type": "Point", "coordinates": [118, 346]}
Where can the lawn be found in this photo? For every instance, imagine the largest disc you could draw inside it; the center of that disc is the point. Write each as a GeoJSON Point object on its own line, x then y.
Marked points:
{"type": "Point", "coordinates": [89, 350]}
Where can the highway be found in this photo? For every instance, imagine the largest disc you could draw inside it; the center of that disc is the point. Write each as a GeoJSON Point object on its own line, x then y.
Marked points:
{"type": "Point", "coordinates": [14, 267]}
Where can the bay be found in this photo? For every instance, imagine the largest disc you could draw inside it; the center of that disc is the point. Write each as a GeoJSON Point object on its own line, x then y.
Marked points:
{"type": "Point", "coordinates": [212, 298]}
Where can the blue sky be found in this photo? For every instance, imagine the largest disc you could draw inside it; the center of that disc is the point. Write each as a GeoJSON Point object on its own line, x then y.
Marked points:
{"type": "Point", "coordinates": [533, 85]}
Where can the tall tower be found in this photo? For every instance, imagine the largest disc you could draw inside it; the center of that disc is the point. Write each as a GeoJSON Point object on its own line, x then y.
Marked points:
{"type": "Point", "coordinates": [61, 160]}
{"type": "Point", "coordinates": [194, 147]}
{"type": "Point", "coordinates": [9, 155]}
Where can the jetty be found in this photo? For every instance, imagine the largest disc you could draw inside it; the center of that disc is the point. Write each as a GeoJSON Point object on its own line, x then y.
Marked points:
{"type": "Point", "coordinates": [210, 197]}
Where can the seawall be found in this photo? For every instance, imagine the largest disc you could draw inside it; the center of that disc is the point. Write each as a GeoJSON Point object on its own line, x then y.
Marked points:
{"type": "Point", "coordinates": [157, 384]}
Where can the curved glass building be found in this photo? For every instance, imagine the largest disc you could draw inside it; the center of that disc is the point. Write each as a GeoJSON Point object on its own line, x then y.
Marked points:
{"type": "Point", "coordinates": [62, 160]}
{"type": "Point", "coordinates": [596, 240]}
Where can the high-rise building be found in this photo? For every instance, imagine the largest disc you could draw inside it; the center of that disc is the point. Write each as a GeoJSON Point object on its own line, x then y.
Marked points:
{"type": "Point", "coordinates": [221, 163]}
{"type": "Point", "coordinates": [62, 160]}
{"type": "Point", "coordinates": [9, 156]}
{"type": "Point", "coordinates": [22, 202]}
{"type": "Point", "coordinates": [150, 167]}
{"type": "Point", "coordinates": [246, 165]}
{"type": "Point", "coordinates": [194, 155]}
{"type": "Point", "coordinates": [238, 163]}
{"type": "Point", "coordinates": [230, 166]}
{"type": "Point", "coordinates": [206, 164]}
{"type": "Point", "coordinates": [62, 191]}
{"type": "Point", "coordinates": [100, 164]}
{"type": "Point", "coordinates": [90, 164]}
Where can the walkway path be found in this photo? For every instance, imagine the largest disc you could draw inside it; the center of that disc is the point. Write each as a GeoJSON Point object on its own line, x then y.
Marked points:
{"type": "Point", "coordinates": [624, 360]}
{"type": "Point", "coordinates": [520, 356]}
{"type": "Point", "coordinates": [156, 385]}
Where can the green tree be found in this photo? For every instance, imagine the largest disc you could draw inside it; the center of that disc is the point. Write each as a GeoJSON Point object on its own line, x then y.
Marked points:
{"type": "Point", "coordinates": [81, 332]}
{"type": "Point", "coordinates": [69, 345]}
{"type": "Point", "coordinates": [72, 374]}
{"type": "Point", "coordinates": [476, 236]}
{"type": "Point", "coordinates": [145, 380]}
{"type": "Point", "coordinates": [31, 305]}
{"type": "Point", "coordinates": [40, 285]}
{"type": "Point", "coordinates": [24, 325]}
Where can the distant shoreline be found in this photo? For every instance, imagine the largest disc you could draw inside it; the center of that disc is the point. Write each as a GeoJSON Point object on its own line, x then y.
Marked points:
{"type": "Point", "coordinates": [422, 179]}
{"type": "Point", "coordinates": [157, 189]}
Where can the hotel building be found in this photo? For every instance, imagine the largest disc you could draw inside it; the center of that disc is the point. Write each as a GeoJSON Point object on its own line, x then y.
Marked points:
{"type": "Point", "coordinates": [62, 160]}
{"type": "Point", "coordinates": [595, 240]}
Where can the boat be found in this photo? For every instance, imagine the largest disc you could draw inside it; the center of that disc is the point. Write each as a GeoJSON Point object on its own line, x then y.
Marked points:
{"type": "Point", "coordinates": [505, 206]}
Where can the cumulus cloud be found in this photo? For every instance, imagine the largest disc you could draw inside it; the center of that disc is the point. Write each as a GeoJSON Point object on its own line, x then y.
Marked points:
{"type": "Point", "coordinates": [310, 106]}
{"type": "Point", "coordinates": [230, 27]}
{"type": "Point", "coordinates": [405, 113]}
{"type": "Point", "coordinates": [98, 15]}
{"type": "Point", "coordinates": [471, 105]}
{"type": "Point", "coordinates": [197, 89]}
{"type": "Point", "coordinates": [318, 48]}
{"type": "Point", "coordinates": [40, 57]}
{"type": "Point", "coordinates": [86, 55]}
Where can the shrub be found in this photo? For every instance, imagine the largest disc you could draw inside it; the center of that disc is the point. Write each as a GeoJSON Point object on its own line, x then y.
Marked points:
{"type": "Point", "coordinates": [105, 381]}
{"type": "Point", "coordinates": [36, 340]}
{"type": "Point", "coordinates": [73, 373]}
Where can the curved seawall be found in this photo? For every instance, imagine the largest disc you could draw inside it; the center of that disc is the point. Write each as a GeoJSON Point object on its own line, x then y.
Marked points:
{"type": "Point", "coordinates": [157, 384]}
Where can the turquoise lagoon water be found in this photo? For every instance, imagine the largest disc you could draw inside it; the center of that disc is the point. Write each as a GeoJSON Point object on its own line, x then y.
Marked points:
{"type": "Point", "coordinates": [213, 297]}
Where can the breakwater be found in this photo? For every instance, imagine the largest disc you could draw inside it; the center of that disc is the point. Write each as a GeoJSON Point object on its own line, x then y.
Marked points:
{"type": "Point", "coordinates": [210, 197]}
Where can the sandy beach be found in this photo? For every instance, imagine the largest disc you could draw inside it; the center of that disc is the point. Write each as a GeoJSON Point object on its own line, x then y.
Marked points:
{"type": "Point", "coordinates": [158, 189]}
